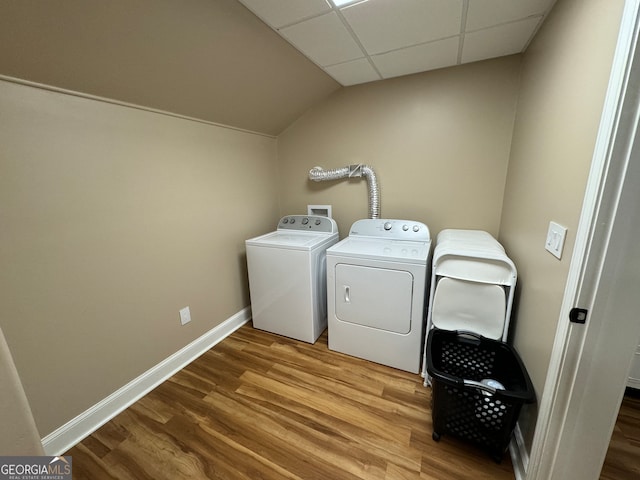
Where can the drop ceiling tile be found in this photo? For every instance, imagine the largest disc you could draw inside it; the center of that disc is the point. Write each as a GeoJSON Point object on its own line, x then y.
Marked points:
{"type": "Point", "coordinates": [384, 25]}
{"type": "Point", "coordinates": [498, 41]}
{"type": "Point", "coordinates": [324, 39]}
{"type": "Point", "coordinates": [486, 13]}
{"type": "Point", "coordinates": [354, 72]}
{"type": "Point", "coordinates": [428, 56]}
{"type": "Point", "coordinates": [278, 13]}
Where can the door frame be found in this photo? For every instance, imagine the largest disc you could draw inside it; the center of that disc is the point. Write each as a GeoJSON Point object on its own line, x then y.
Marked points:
{"type": "Point", "coordinates": [589, 363]}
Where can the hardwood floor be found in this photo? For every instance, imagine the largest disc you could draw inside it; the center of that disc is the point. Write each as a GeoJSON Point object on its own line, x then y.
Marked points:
{"type": "Point", "coordinates": [260, 406]}
{"type": "Point", "coordinates": [623, 457]}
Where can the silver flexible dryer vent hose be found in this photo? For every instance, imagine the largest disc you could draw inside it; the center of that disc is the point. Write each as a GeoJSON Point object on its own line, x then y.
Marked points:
{"type": "Point", "coordinates": [318, 174]}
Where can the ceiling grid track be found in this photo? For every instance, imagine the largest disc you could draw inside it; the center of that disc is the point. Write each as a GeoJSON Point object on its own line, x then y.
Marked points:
{"type": "Point", "coordinates": [463, 25]}
{"type": "Point", "coordinates": [368, 40]}
{"type": "Point", "coordinates": [358, 42]}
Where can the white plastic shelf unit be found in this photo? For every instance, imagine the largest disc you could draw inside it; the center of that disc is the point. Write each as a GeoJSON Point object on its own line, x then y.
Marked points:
{"type": "Point", "coordinates": [472, 284]}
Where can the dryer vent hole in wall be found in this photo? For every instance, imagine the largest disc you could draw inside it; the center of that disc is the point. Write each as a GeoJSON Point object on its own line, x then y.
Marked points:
{"type": "Point", "coordinates": [185, 315]}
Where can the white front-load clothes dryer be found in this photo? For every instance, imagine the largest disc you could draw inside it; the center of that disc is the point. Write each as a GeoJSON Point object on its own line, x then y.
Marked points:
{"type": "Point", "coordinates": [287, 276]}
{"type": "Point", "coordinates": [376, 283]}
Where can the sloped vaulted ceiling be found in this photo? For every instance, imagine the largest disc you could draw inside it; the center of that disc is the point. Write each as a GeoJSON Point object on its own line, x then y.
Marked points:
{"type": "Point", "coordinates": [215, 60]}
{"type": "Point", "coordinates": [208, 59]}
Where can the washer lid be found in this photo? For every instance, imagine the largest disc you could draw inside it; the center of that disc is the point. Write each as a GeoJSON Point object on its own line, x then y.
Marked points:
{"type": "Point", "coordinates": [292, 240]}
{"type": "Point", "coordinates": [380, 249]}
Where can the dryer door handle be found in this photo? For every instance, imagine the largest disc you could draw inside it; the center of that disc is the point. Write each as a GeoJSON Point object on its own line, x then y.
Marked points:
{"type": "Point", "coordinates": [347, 294]}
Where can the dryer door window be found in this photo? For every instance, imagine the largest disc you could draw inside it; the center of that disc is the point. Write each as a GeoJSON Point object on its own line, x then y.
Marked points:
{"type": "Point", "coordinates": [374, 297]}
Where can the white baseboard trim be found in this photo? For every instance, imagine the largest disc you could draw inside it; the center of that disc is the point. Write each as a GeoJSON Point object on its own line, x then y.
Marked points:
{"type": "Point", "coordinates": [633, 382]}
{"type": "Point", "coordinates": [519, 454]}
{"type": "Point", "coordinates": [72, 432]}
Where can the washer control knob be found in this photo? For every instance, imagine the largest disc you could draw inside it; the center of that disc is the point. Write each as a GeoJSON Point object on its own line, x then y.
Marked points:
{"type": "Point", "coordinates": [293, 220]}
{"type": "Point", "coordinates": [387, 225]}
{"type": "Point", "coordinates": [286, 220]}
{"type": "Point", "coordinates": [305, 221]}
{"type": "Point", "coordinates": [405, 228]}
{"type": "Point", "coordinates": [416, 228]}
{"type": "Point", "coordinates": [318, 222]}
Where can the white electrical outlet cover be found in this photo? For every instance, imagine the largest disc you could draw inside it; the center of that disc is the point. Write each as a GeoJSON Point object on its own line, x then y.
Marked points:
{"type": "Point", "coordinates": [185, 315]}
{"type": "Point", "coordinates": [555, 239]}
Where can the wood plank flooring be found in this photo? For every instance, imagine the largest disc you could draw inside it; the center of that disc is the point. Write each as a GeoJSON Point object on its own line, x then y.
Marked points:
{"type": "Point", "coordinates": [261, 406]}
{"type": "Point", "coordinates": [623, 457]}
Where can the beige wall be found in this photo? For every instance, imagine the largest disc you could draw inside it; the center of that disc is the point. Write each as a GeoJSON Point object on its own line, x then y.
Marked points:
{"type": "Point", "coordinates": [564, 78]}
{"type": "Point", "coordinates": [209, 59]}
{"type": "Point", "coordinates": [19, 433]}
{"type": "Point", "coordinates": [438, 142]}
{"type": "Point", "coordinates": [112, 220]}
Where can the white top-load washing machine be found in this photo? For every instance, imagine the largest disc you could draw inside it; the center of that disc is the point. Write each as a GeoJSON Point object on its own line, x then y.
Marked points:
{"type": "Point", "coordinates": [376, 283]}
{"type": "Point", "coordinates": [287, 276]}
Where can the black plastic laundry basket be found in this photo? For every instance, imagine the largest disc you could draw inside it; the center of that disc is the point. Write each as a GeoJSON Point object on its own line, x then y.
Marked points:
{"type": "Point", "coordinates": [461, 364]}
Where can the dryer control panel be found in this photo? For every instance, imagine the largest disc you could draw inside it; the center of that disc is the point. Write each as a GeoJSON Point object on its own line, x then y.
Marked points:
{"type": "Point", "coordinates": [308, 223]}
{"type": "Point", "coordinates": [391, 229]}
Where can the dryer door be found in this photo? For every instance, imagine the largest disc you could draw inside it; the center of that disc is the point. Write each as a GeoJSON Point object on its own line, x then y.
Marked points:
{"type": "Point", "coordinates": [374, 297]}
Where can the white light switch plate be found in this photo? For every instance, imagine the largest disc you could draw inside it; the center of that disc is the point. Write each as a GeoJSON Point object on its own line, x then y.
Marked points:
{"type": "Point", "coordinates": [555, 239]}
{"type": "Point", "coordinates": [185, 315]}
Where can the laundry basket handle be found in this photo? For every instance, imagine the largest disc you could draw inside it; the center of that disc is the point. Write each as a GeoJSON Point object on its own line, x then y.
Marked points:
{"type": "Point", "coordinates": [479, 386]}
{"type": "Point", "coordinates": [467, 333]}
